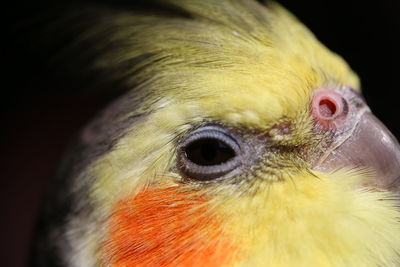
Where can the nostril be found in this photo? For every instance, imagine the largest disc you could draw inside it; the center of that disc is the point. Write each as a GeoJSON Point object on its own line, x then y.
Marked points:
{"type": "Point", "coordinates": [328, 105]}
{"type": "Point", "coordinates": [327, 108]}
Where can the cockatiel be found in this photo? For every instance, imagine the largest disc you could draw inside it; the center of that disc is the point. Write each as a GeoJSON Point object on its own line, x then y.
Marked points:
{"type": "Point", "coordinates": [240, 141]}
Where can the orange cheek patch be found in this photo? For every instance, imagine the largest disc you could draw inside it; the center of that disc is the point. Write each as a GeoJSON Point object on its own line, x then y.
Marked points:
{"type": "Point", "coordinates": [165, 227]}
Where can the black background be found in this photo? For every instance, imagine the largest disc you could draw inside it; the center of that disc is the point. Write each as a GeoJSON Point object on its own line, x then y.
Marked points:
{"type": "Point", "coordinates": [39, 118]}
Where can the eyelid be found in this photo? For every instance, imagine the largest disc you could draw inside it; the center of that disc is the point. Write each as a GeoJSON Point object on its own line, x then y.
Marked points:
{"type": "Point", "coordinates": [211, 132]}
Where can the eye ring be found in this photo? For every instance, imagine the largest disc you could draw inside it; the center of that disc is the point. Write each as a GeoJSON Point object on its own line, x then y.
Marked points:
{"type": "Point", "coordinates": [209, 153]}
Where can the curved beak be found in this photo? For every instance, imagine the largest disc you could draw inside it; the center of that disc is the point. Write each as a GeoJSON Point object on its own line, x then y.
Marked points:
{"type": "Point", "coordinates": [365, 142]}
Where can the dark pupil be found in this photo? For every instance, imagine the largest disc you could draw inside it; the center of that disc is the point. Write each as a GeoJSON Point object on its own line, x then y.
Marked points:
{"type": "Point", "coordinates": [208, 152]}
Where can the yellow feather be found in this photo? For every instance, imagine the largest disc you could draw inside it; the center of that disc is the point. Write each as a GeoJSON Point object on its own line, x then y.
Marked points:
{"type": "Point", "coordinates": [321, 220]}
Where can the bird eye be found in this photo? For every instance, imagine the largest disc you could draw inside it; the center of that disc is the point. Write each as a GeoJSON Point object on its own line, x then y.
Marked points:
{"type": "Point", "coordinates": [208, 153]}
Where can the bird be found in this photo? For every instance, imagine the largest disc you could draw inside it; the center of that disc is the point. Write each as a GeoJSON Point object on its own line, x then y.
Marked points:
{"type": "Point", "coordinates": [239, 140]}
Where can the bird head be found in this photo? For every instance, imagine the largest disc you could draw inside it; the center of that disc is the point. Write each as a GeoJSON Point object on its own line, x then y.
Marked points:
{"type": "Point", "coordinates": [242, 141]}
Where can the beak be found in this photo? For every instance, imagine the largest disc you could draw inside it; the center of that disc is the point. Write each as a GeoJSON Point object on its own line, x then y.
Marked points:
{"type": "Point", "coordinates": [359, 139]}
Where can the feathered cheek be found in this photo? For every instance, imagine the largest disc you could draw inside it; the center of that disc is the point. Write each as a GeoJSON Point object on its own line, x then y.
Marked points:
{"type": "Point", "coordinates": [165, 227]}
